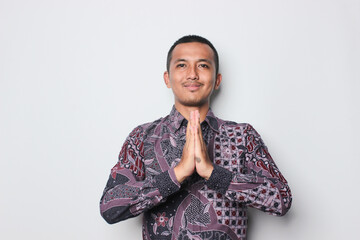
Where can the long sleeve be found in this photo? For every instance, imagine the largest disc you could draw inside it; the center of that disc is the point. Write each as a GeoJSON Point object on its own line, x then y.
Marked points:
{"type": "Point", "coordinates": [131, 189]}
{"type": "Point", "coordinates": [257, 182]}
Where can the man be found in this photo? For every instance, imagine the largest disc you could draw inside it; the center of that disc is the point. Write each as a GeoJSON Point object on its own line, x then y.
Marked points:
{"type": "Point", "coordinates": [192, 174]}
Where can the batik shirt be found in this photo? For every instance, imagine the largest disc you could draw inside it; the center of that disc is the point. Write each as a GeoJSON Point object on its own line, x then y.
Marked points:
{"type": "Point", "coordinates": [143, 181]}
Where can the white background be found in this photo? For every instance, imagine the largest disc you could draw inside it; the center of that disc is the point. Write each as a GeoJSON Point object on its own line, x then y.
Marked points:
{"type": "Point", "coordinates": [76, 76]}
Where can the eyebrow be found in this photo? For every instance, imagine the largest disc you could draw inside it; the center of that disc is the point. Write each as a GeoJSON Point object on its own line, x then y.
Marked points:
{"type": "Point", "coordinates": [199, 60]}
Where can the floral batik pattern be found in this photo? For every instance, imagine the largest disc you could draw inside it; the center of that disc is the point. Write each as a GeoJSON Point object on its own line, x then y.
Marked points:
{"type": "Point", "coordinates": [143, 181]}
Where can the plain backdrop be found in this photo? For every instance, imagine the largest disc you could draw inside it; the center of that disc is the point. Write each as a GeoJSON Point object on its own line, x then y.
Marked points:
{"type": "Point", "coordinates": [76, 76]}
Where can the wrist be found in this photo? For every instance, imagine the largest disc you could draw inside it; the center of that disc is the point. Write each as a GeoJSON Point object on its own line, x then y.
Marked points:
{"type": "Point", "coordinates": [209, 172]}
{"type": "Point", "coordinates": [180, 176]}
{"type": "Point", "coordinates": [220, 179]}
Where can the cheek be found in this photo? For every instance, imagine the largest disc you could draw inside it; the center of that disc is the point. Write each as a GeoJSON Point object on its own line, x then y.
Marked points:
{"type": "Point", "coordinates": [209, 76]}
{"type": "Point", "coordinates": [211, 84]}
{"type": "Point", "coordinates": [175, 79]}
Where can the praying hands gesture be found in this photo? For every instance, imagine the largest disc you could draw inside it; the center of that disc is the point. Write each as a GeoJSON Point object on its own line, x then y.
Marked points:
{"type": "Point", "coordinates": [195, 155]}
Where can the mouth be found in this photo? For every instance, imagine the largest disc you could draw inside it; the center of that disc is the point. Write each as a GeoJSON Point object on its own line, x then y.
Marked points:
{"type": "Point", "coordinates": [192, 86]}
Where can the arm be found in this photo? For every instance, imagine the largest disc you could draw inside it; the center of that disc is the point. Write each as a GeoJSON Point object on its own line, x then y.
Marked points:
{"type": "Point", "coordinates": [129, 191]}
{"type": "Point", "coordinates": [260, 184]}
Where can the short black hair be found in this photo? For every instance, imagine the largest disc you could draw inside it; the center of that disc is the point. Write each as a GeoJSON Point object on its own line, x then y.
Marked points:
{"type": "Point", "coordinates": [189, 39]}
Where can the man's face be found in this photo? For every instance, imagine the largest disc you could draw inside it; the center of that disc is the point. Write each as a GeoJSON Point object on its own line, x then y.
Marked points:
{"type": "Point", "coordinates": [192, 74]}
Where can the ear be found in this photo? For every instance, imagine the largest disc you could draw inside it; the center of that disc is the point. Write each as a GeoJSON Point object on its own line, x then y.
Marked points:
{"type": "Point", "coordinates": [166, 79]}
{"type": "Point", "coordinates": [218, 81]}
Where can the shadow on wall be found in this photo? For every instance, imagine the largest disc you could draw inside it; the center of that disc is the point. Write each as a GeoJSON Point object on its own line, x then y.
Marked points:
{"type": "Point", "coordinates": [260, 223]}
{"type": "Point", "coordinates": [214, 95]}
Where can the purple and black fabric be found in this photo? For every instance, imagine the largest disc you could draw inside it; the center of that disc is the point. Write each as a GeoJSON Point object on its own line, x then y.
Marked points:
{"type": "Point", "coordinates": [143, 181]}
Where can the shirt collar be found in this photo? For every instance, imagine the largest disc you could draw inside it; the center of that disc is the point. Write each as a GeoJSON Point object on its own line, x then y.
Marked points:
{"type": "Point", "coordinates": [177, 120]}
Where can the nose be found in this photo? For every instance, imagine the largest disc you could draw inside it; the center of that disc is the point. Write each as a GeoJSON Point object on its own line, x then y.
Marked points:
{"type": "Point", "coordinates": [193, 73]}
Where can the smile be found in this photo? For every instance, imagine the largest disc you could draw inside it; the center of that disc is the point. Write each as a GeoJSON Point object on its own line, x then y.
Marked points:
{"type": "Point", "coordinates": [192, 86]}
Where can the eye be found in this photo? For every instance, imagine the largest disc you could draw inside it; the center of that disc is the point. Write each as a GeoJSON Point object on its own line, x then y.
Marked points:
{"type": "Point", "coordinates": [180, 65]}
{"type": "Point", "coordinates": [203, 65]}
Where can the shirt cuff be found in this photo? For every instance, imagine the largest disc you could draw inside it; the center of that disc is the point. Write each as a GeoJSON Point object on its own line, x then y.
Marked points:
{"type": "Point", "coordinates": [219, 180]}
{"type": "Point", "coordinates": [166, 183]}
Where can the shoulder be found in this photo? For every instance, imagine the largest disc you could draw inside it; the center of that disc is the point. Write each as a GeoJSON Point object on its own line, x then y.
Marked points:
{"type": "Point", "coordinates": [145, 129]}
{"type": "Point", "coordinates": [154, 128]}
{"type": "Point", "coordinates": [228, 127]}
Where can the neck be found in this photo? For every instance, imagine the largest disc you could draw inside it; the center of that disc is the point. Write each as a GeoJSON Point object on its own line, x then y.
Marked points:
{"type": "Point", "coordinates": [185, 110]}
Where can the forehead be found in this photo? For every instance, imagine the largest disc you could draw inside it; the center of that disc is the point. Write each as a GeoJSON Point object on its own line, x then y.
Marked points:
{"type": "Point", "coordinates": [192, 51]}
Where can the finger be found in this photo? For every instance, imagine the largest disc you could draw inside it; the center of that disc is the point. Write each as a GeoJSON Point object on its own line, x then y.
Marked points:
{"type": "Point", "coordinates": [195, 125]}
{"type": "Point", "coordinates": [199, 124]}
{"type": "Point", "coordinates": [198, 152]}
{"type": "Point", "coordinates": [192, 117]}
{"type": "Point", "coordinates": [198, 138]}
{"type": "Point", "coordinates": [192, 114]}
{"type": "Point", "coordinates": [198, 116]}
{"type": "Point", "coordinates": [199, 131]}
{"type": "Point", "coordinates": [191, 139]}
{"type": "Point", "coordinates": [189, 129]}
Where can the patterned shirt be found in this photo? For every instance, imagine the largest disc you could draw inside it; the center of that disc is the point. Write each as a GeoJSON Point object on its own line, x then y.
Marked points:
{"type": "Point", "coordinates": [143, 181]}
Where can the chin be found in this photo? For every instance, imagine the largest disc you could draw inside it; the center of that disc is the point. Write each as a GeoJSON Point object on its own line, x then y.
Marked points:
{"type": "Point", "coordinates": [193, 103]}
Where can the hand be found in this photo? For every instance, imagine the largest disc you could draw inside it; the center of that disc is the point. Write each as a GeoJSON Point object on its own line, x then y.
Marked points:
{"type": "Point", "coordinates": [195, 155]}
{"type": "Point", "coordinates": [186, 166]}
{"type": "Point", "coordinates": [203, 164]}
